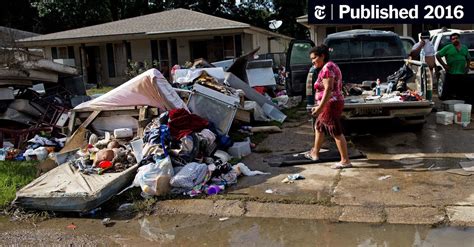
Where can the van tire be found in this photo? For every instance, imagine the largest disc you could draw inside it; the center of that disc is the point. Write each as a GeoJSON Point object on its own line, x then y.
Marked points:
{"type": "Point", "coordinates": [442, 86]}
{"type": "Point", "coordinates": [289, 91]}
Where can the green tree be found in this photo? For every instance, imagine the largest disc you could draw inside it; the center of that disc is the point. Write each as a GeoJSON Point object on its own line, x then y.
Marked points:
{"type": "Point", "coordinates": [63, 15]}
{"type": "Point", "coordinates": [19, 14]}
{"type": "Point", "coordinates": [59, 15]}
{"type": "Point", "coordinates": [288, 11]}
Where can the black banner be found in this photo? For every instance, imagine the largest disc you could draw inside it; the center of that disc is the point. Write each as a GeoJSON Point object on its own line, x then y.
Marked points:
{"type": "Point", "coordinates": [395, 12]}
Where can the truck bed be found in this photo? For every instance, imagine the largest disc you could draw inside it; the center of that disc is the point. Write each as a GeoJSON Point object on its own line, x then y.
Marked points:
{"type": "Point", "coordinates": [368, 107]}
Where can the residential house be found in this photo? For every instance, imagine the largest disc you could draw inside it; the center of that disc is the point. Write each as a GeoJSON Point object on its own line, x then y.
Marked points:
{"type": "Point", "coordinates": [170, 37]}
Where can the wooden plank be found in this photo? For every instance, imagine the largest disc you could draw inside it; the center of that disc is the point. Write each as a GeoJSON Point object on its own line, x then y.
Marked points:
{"type": "Point", "coordinates": [72, 120]}
{"type": "Point", "coordinates": [90, 119]}
{"type": "Point", "coordinates": [132, 113]}
{"type": "Point", "coordinates": [77, 138]}
{"type": "Point", "coordinates": [141, 119]}
{"type": "Point", "coordinates": [271, 129]}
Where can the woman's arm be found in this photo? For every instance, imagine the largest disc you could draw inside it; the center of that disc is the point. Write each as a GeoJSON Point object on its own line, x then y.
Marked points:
{"type": "Point", "coordinates": [328, 83]}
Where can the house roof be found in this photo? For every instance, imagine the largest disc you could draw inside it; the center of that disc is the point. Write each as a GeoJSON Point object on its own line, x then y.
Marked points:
{"type": "Point", "coordinates": [302, 19]}
{"type": "Point", "coordinates": [171, 21]}
{"type": "Point", "coordinates": [8, 34]}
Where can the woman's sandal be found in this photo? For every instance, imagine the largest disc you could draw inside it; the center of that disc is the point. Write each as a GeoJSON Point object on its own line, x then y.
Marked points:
{"type": "Point", "coordinates": [310, 157]}
{"type": "Point", "coordinates": [341, 166]}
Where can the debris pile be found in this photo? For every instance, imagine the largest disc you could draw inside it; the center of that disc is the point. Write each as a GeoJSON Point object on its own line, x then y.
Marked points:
{"type": "Point", "coordinates": [173, 147]}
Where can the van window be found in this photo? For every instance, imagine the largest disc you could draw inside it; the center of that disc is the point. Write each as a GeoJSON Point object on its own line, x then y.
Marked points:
{"type": "Point", "coordinates": [445, 40]}
{"type": "Point", "coordinates": [365, 47]}
{"type": "Point", "coordinates": [467, 39]}
{"type": "Point", "coordinates": [339, 49]}
{"type": "Point", "coordinates": [382, 47]}
{"type": "Point", "coordinates": [300, 53]}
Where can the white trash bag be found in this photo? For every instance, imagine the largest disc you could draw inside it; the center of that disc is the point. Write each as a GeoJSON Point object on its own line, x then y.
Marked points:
{"type": "Point", "coordinates": [154, 178]}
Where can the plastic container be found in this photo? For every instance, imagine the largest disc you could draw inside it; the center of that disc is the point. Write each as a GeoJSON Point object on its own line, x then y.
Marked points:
{"type": "Point", "coordinates": [214, 189]}
{"type": "Point", "coordinates": [137, 147]}
{"type": "Point", "coordinates": [240, 149]}
{"type": "Point", "coordinates": [123, 133]}
{"type": "Point", "coordinates": [444, 117]}
{"type": "Point", "coordinates": [378, 90]}
{"type": "Point", "coordinates": [3, 154]}
{"type": "Point", "coordinates": [462, 114]}
{"type": "Point", "coordinates": [448, 105]}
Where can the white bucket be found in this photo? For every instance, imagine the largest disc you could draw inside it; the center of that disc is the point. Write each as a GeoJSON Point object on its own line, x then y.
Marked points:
{"type": "Point", "coordinates": [448, 105]}
{"type": "Point", "coordinates": [462, 113]}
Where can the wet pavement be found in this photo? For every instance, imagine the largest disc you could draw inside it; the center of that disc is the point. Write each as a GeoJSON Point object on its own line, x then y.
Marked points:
{"type": "Point", "coordinates": [410, 176]}
{"type": "Point", "coordinates": [409, 191]}
{"type": "Point", "coordinates": [196, 230]}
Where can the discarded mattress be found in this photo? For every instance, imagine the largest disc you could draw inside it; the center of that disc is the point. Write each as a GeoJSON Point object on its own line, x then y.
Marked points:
{"type": "Point", "coordinates": [66, 189]}
{"type": "Point", "coordinates": [149, 88]}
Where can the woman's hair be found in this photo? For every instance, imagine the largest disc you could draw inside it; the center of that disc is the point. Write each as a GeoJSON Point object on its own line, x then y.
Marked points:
{"type": "Point", "coordinates": [321, 50]}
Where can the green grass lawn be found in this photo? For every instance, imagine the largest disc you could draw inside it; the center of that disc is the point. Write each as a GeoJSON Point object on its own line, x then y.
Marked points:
{"type": "Point", "coordinates": [13, 176]}
{"type": "Point", "coordinates": [104, 89]}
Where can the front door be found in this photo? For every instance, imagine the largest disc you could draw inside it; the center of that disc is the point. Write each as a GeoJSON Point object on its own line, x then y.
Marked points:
{"type": "Point", "coordinates": [198, 49]}
{"type": "Point", "coordinates": [93, 65]}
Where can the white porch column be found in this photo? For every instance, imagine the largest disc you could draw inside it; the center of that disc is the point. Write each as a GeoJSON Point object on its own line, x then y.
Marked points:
{"type": "Point", "coordinates": [315, 34]}
{"type": "Point", "coordinates": [405, 29]}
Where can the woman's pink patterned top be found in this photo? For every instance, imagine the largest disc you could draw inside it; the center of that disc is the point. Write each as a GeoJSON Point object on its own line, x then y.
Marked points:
{"type": "Point", "coordinates": [329, 70]}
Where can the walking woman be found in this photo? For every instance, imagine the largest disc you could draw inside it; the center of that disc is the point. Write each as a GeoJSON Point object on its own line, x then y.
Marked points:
{"type": "Point", "coordinates": [330, 104]}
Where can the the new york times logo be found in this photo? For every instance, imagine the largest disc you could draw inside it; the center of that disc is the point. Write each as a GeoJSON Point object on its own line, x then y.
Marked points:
{"type": "Point", "coordinates": [319, 12]}
{"type": "Point", "coordinates": [372, 11]}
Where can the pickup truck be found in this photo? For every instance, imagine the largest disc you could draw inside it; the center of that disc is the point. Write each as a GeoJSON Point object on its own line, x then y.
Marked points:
{"type": "Point", "coordinates": [363, 57]}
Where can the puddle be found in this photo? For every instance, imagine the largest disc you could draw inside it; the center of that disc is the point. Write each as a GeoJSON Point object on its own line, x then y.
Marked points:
{"type": "Point", "coordinates": [194, 230]}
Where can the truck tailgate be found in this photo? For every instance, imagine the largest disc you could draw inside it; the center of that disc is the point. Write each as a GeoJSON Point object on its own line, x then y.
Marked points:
{"type": "Point", "coordinates": [387, 110]}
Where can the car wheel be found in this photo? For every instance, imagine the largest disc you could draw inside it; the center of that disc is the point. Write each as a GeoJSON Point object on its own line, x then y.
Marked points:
{"type": "Point", "coordinates": [414, 123]}
{"type": "Point", "coordinates": [289, 91]}
{"type": "Point", "coordinates": [442, 92]}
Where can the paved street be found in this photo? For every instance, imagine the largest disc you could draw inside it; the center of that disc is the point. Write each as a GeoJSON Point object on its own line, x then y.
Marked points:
{"type": "Point", "coordinates": [409, 177]}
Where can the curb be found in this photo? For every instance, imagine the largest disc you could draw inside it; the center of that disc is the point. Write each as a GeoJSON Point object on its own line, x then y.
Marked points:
{"type": "Point", "coordinates": [451, 216]}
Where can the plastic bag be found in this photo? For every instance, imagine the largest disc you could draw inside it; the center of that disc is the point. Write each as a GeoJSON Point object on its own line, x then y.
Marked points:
{"type": "Point", "coordinates": [154, 178]}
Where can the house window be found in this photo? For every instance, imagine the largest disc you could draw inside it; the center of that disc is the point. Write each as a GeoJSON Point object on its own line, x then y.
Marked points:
{"type": "Point", "coordinates": [128, 50]}
{"type": "Point", "coordinates": [117, 58]}
{"type": "Point", "coordinates": [54, 52]}
{"type": "Point", "coordinates": [238, 45]}
{"type": "Point", "coordinates": [154, 50]}
{"type": "Point", "coordinates": [110, 60]}
{"type": "Point", "coordinates": [70, 52]}
{"type": "Point", "coordinates": [62, 52]}
{"type": "Point", "coordinates": [160, 56]}
{"type": "Point", "coordinates": [228, 47]}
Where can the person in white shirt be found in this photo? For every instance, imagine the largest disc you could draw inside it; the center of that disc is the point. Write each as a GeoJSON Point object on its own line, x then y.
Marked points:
{"type": "Point", "coordinates": [424, 51]}
{"type": "Point", "coordinates": [428, 50]}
